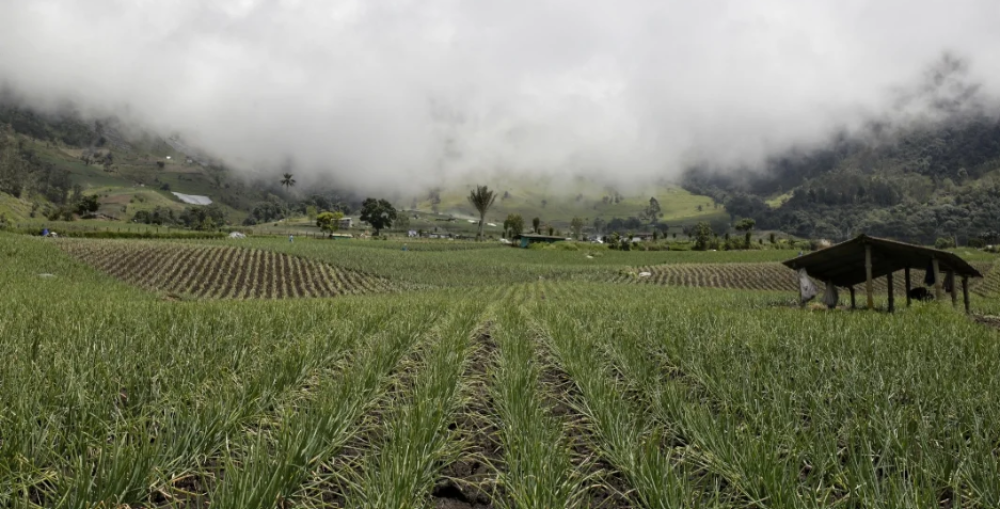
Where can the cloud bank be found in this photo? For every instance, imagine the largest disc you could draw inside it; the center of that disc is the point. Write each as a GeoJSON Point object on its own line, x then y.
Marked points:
{"type": "Point", "coordinates": [409, 93]}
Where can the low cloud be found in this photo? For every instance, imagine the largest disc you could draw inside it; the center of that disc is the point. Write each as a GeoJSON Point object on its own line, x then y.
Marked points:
{"type": "Point", "coordinates": [408, 94]}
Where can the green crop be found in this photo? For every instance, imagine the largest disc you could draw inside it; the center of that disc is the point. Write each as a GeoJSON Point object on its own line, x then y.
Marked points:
{"type": "Point", "coordinates": [563, 387]}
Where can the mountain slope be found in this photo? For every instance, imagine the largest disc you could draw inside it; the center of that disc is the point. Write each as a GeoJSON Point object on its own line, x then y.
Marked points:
{"type": "Point", "coordinates": [940, 179]}
{"type": "Point", "coordinates": [556, 202]}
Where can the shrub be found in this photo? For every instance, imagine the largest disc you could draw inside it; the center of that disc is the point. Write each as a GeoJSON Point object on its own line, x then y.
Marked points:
{"type": "Point", "coordinates": [944, 243]}
{"type": "Point", "coordinates": [977, 243]}
{"type": "Point", "coordinates": [565, 246]}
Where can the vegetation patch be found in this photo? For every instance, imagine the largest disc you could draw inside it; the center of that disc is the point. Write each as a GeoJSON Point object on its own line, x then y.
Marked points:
{"type": "Point", "coordinates": [218, 272]}
{"type": "Point", "coordinates": [775, 277]}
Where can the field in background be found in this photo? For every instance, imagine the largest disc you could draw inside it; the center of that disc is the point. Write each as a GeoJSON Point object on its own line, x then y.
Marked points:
{"type": "Point", "coordinates": [136, 182]}
{"type": "Point", "coordinates": [487, 377]}
{"type": "Point", "coordinates": [566, 199]}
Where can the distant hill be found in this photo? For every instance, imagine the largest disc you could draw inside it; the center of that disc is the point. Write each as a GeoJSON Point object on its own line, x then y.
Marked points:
{"type": "Point", "coordinates": [49, 160]}
{"type": "Point", "coordinates": [61, 157]}
{"type": "Point", "coordinates": [557, 202]}
{"type": "Point", "coordinates": [941, 179]}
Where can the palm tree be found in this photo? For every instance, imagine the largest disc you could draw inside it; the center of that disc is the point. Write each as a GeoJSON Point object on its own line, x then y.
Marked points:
{"type": "Point", "coordinates": [287, 180]}
{"type": "Point", "coordinates": [482, 199]}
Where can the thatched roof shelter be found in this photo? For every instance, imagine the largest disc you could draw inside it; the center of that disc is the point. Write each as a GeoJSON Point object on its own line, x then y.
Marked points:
{"type": "Point", "coordinates": [864, 258]}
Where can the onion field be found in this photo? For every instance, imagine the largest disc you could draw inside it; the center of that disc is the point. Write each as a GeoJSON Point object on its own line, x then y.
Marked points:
{"type": "Point", "coordinates": [775, 277]}
{"type": "Point", "coordinates": [221, 272]}
{"type": "Point", "coordinates": [555, 389]}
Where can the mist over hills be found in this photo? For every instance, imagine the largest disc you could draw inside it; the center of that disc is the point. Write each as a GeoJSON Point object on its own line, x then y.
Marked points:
{"type": "Point", "coordinates": [815, 118]}
{"type": "Point", "coordinates": [915, 173]}
{"type": "Point", "coordinates": [922, 177]}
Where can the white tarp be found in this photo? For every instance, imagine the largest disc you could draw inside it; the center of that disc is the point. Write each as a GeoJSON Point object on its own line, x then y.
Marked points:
{"type": "Point", "coordinates": [807, 290]}
{"type": "Point", "coordinates": [831, 298]}
{"type": "Point", "coordinates": [193, 199]}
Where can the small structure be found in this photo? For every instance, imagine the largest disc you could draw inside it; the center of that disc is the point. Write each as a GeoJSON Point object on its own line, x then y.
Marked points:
{"type": "Point", "coordinates": [346, 223]}
{"type": "Point", "coordinates": [525, 240]}
{"type": "Point", "coordinates": [340, 236]}
{"type": "Point", "coordinates": [192, 199]}
{"type": "Point", "coordinates": [864, 258]}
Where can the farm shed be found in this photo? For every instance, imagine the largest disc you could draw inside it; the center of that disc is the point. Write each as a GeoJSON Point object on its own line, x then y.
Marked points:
{"type": "Point", "coordinates": [527, 239]}
{"type": "Point", "coordinates": [346, 223]}
{"type": "Point", "coordinates": [864, 258]}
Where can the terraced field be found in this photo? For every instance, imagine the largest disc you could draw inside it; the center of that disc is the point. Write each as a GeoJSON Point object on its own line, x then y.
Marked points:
{"type": "Point", "coordinates": [774, 277]}
{"type": "Point", "coordinates": [557, 393]}
{"type": "Point", "coordinates": [217, 272]}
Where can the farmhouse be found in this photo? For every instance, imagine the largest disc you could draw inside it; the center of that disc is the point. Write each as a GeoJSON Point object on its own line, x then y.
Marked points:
{"type": "Point", "coordinates": [864, 258]}
{"type": "Point", "coordinates": [527, 239]}
{"type": "Point", "coordinates": [346, 223]}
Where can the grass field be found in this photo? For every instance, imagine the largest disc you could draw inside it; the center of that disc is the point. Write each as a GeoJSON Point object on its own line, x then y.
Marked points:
{"type": "Point", "coordinates": [14, 209]}
{"type": "Point", "coordinates": [464, 375]}
{"type": "Point", "coordinates": [556, 203]}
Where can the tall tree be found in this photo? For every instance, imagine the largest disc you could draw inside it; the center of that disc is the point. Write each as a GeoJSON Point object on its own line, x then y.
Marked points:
{"type": "Point", "coordinates": [653, 211]}
{"type": "Point", "coordinates": [329, 221]}
{"type": "Point", "coordinates": [287, 180]}
{"type": "Point", "coordinates": [577, 225]}
{"type": "Point", "coordinates": [599, 224]}
{"type": "Point", "coordinates": [702, 233]}
{"type": "Point", "coordinates": [746, 225]}
{"type": "Point", "coordinates": [482, 199]}
{"type": "Point", "coordinates": [535, 223]}
{"type": "Point", "coordinates": [378, 213]}
{"type": "Point", "coordinates": [514, 224]}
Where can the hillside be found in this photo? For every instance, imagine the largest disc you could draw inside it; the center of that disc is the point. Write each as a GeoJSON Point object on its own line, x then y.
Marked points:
{"type": "Point", "coordinates": [913, 182]}
{"type": "Point", "coordinates": [556, 203]}
{"type": "Point", "coordinates": [50, 161]}
{"type": "Point", "coordinates": [940, 179]}
{"type": "Point", "coordinates": [61, 158]}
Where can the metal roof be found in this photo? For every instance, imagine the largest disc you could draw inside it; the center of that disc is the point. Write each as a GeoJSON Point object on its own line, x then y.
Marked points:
{"type": "Point", "coordinates": [539, 237]}
{"type": "Point", "coordinates": [844, 264]}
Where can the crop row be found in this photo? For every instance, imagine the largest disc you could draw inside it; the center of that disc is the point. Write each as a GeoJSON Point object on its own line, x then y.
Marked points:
{"type": "Point", "coordinates": [543, 394]}
{"type": "Point", "coordinates": [217, 272]}
{"type": "Point", "coordinates": [772, 277]}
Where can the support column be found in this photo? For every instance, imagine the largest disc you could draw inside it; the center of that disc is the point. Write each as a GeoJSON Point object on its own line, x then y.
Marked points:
{"type": "Point", "coordinates": [906, 276]}
{"type": "Point", "coordinates": [937, 279]}
{"type": "Point", "coordinates": [868, 276]}
{"type": "Point", "coordinates": [892, 297]}
{"type": "Point", "coordinates": [954, 290]}
{"type": "Point", "coordinates": [853, 305]}
{"type": "Point", "coordinates": [965, 292]}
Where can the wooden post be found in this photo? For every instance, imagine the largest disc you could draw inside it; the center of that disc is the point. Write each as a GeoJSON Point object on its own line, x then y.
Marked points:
{"type": "Point", "coordinates": [853, 305]}
{"type": "Point", "coordinates": [954, 291]}
{"type": "Point", "coordinates": [937, 279]}
{"type": "Point", "coordinates": [892, 298]}
{"type": "Point", "coordinates": [868, 276]}
{"type": "Point", "coordinates": [906, 277]}
{"type": "Point", "coordinates": [965, 292]}
{"type": "Point", "coordinates": [798, 284]}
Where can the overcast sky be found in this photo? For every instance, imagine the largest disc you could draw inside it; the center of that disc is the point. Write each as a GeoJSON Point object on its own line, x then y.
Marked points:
{"type": "Point", "coordinates": [405, 93]}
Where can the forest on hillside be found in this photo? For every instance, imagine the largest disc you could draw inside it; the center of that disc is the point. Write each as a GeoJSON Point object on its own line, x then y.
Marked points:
{"type": "Point", "coordinates": [929, 168]}
{"type": "Point", "coordinates": [937, 181]}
